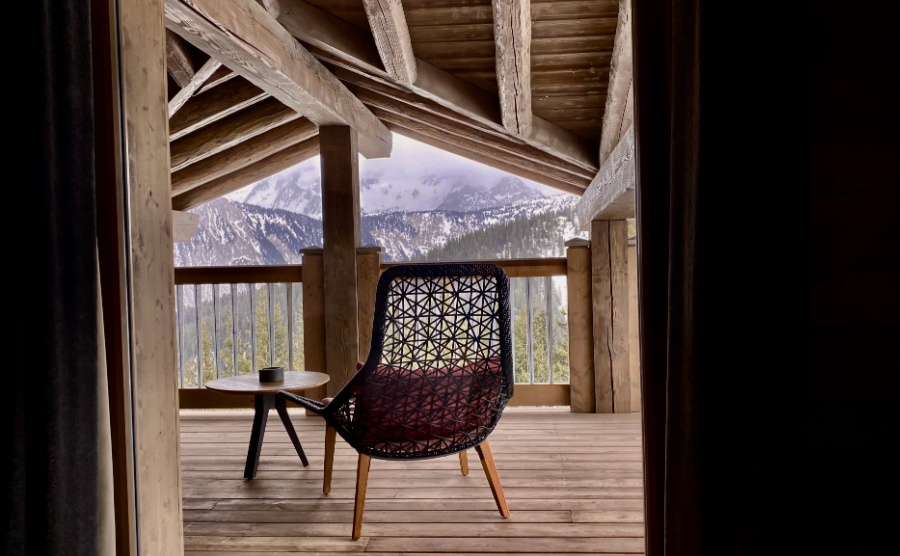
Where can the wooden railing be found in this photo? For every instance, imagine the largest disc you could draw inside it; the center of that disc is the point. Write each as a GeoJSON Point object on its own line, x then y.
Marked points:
{"type": "Point", "coordinates": [255, 316]}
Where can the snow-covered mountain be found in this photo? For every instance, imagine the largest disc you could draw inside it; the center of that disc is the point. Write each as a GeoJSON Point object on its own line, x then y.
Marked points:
{"type": "Point", "coordinates": [231, 233]}
{"type": "Point", "coordinates": [394, 189]}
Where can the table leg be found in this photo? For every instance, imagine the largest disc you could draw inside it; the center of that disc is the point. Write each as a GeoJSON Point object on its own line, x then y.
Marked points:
{"type": "Point", "coordinates": [262, 405]}
{"type": "Point", "coordinates": [289, 427]}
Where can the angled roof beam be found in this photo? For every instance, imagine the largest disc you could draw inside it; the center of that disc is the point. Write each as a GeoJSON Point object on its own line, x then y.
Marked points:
{"type": "Point", "coordinates": [213, 105]}
{"type": "Point", "coordinates": [182, 96]}
{"type": "Point", "coordinates": [179, 61]}
{"type": "Point", "coordinates": [245, 37]}
{"type": "Point", "coordinates": [388, 24]}
{"type": "Point", "coordinates": [232, 160]}
{"type": "Point", "coordinates": [611, 194]}
{"type": "Point", "coordinates": [343, 44]}
{"type": "Point", "coordinates": [512, 42]}
{"type": "Point", "coordinates": [619, 111]}
{"type": "Point", "coordinates": [228, 132]}
{"type": "Point", "coordinates": [252, 173]}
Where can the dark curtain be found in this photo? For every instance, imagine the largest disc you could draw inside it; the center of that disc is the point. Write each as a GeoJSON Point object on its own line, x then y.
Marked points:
{"type": "Point", "coordinates": [767, 167]}
{"type": "Point", "coordinates": [51, 402]}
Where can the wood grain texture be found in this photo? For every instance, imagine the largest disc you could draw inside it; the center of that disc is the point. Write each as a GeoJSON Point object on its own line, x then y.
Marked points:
{"type": "Point", "coordinates": [368, 270]}
{"type": "Point", "coordinates": [229, 132]}
{"type": "Point", "coordinates": [388, 25]}
{"type": "Point", "coordinates": [581, 326]}
{"type": "Point", "coordinates": [242, 35]}
{"type": "Point", "coordinates": [153, 372]}
{"type": "Point", "coordinates": [184, 225]}
{"type": "Point", "coordinates": [611, 193]}
{"type": "Point", "coordinates": [220, 76]}
{"type": "Point", "coordinates": [633, 329]}
{"type": "Point", "coordinates": [242, 155]}
{"type": "Point", "coordinates": [341, 237]}
{"type": "Point", "coordinates": [213, 105]}
{"type": "Point", "coordinates": [264, 168]}
{"type": "Point", "coordinates": [618, 109]}
{"type": "Point", "coordinates": [601, 298]}
{"type": "Point", "coordinates": [569, 499]}
{"type": "Point", "coordinates": [350, 46]}
{"type": "Point", "coordinates": [314, 315]}
{"type": "Point", "coordinates": [205, 72]}
{"type": "Point", "coordinates": [512, 40]}
{"type": "Point", "coordinates": [179, 59]}
{"type": "Point", "coordinates": [239, 274]}
{"type": "Point", "coordinates": [619, 347]}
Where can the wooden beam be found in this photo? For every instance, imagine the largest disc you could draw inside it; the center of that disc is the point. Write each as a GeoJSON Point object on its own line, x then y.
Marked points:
{"type": "Point", "coordinates": [387, 97]}
{"type": "Point", "coordinates": [388, 25]}
{"type": "Point", "coordinates": [243, 154]}
{"type": "Point", "coordinates": [368, 270]}
{"type": "Point", "coordinates": [341, 237]}
{"type": "Point", "coordinates": [611, 193]}
{"type": "Point", "coordinates": [581, 328]}
{"type": "Point", "coordinates": [220, 76]}
{"type": "Point", "coordinates": [242, 35]}
{"type": "Point", "coordinates": [314, 316]}
{"type": "Point", "coordinates": [229, 132]}
{"type": "Point", "coordinates": [151, 299]}
{"type": "Point", "coordinates": [214, 105]}
{"type": "Point", "coordinates": [601, 302]}
{"type": "Point", "coordinates": [619, 111]}
{"type": "Point", "coordinates": [179, 61]}
{"type": "Point", "coordinates": [619, 348]}
{"type": "Point", "coordinates": [264, 168]}
{"type": "Point", "coordinates": [182, 96]}
{"type": "Point", "coordinates": [512, 42]}
{"type": "Point", "coordinates": [339, 42]}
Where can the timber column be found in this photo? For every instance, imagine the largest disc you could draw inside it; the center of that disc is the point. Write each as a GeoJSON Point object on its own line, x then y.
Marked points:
{"type": "Point", "coordinates": [609, 284]}
{"type": "Point", "coordinates": [341, 236]}
{"type": "Point", "coordinates": [313, 316]}
{"type": "Point", "coordinates": [368, 270]}
{"type": "Point", "coordinates": [581, 326]}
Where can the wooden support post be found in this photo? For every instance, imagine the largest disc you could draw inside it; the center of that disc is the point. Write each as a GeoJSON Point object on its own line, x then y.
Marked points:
{"type": "Point", "coordinates": [609, 260]}
{"type": "Point", "coordinates": [634, 341]}
{"type": "Point", "coordinates": [368, 269]}
{"type": "Point", "coordinates": [581, 346]}
{"type": "Point", "coordinates": [341, 235]}
{"type": "Point", "coordinates": [313, 316]}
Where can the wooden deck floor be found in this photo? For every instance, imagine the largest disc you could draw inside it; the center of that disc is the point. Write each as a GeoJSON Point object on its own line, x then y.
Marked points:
{"type": "Point", "coordinates": [573, 484]}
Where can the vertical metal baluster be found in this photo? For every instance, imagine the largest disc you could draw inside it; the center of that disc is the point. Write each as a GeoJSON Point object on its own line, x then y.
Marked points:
{"type": "Point", "coordinates": [179, 298]}
{"type": "Point", "coordinates": [215, 292]}
{"type": "Point", "coordinates": [290, 325]}
{"type": "Point", "coordinates": [252, 289]}
{"type": "Point", "coordinates": [270, 289]}
{"type": "Point", "coordinates": [234, 334]}
{"type": "Point", "coordinates": [512, 317]}
{"type": "Point", "coordinates": [548, 292]}
{"type": "Point", "coordinates": [199, 336]}
{"type": "Point", "coordinates": [529, 330]}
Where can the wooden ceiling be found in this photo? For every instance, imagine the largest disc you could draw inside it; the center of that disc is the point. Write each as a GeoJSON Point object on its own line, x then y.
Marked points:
{"type": "Point", "coordinates": [521, 86]}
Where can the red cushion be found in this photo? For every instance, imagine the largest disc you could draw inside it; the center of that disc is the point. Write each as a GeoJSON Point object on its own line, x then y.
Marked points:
{"type": "Point", "coordinates": [426, 408]}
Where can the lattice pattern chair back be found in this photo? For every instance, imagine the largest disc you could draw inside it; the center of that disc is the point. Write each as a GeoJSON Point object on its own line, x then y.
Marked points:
{"type": "Point", "coordinates": [439, 372]}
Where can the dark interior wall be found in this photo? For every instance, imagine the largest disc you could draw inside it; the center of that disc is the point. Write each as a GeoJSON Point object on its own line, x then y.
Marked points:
{"type": "Point", "coordinates": [769, 253]}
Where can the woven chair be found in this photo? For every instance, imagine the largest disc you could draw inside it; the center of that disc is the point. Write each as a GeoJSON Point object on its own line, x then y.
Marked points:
{"type": "Point", "coordinates": [437, 377]}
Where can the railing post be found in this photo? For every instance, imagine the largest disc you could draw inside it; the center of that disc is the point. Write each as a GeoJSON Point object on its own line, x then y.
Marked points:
{"type": "Point", "coordinates": [368, 269]}
{"type": "Point", "coordinates": [314, 315]}
{"type": "Point", "coordinates": [580, 318]}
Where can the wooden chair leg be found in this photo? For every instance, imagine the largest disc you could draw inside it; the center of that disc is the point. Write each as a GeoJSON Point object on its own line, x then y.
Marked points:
{"type": "Point", "coordinates": [329, 458]}
{"type": "Point", "coordinates": [490, 469]}
{"type": "Point", "coordinates": [464, 462]}
{"type": "Point", "coordinates": [362, 478]}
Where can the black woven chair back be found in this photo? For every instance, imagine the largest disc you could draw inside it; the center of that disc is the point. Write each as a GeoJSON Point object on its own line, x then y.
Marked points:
{"type": "Point", "coordinates": [439, 372]}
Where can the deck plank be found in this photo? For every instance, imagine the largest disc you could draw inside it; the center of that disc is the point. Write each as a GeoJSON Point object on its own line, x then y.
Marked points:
{"type": "Point", "coordinates": [573, 482]}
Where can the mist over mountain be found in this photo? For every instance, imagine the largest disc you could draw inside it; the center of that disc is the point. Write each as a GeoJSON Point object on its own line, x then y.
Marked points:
{"type": "Point", "coordinates": [419, 204]}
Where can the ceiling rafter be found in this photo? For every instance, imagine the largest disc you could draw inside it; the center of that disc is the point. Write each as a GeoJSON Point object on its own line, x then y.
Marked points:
{"type": "Point", "coordinates": [246, 38]}
{"type": "Point", "coordinates": [342, 42]}
{"type": "Point", "coordinates": [512, 41]}
{"type": "Point", "coordinates": [388, 25]}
